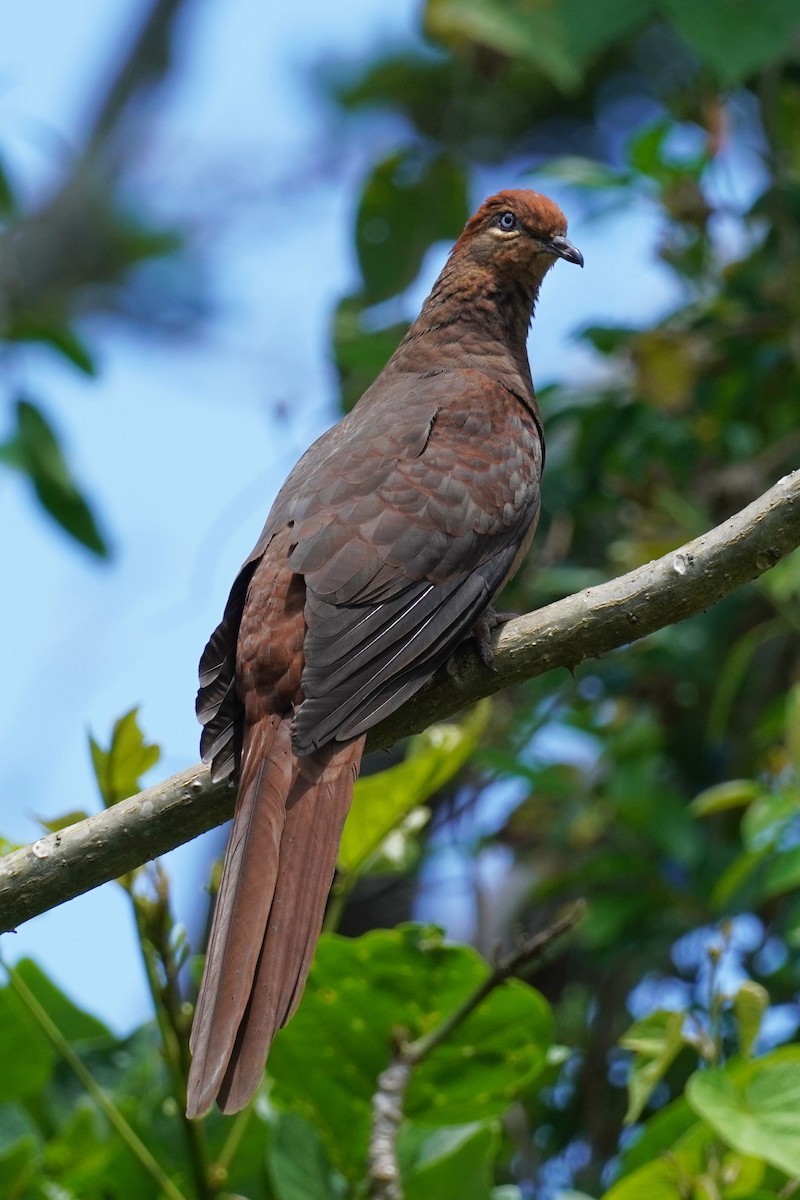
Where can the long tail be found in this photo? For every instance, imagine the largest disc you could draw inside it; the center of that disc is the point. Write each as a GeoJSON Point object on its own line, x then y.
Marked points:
{"type": "Point", "coordinates": [276, 877]}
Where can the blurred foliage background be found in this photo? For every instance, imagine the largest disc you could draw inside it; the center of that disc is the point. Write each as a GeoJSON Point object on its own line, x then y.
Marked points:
{"type": "Point", "coordinates": [658, 1055]}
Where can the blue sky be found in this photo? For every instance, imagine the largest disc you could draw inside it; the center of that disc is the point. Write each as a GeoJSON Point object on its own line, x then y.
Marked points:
{"type": "Point", "coordinates": [177, 441]}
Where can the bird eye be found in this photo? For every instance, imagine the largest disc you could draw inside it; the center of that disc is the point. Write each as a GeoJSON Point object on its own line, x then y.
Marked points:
{"type": "Point", "coordinates": [507, 221]}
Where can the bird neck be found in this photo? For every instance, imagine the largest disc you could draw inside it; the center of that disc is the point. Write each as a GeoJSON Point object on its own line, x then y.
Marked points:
{"type": "Point", "coordinates": [478, 316]}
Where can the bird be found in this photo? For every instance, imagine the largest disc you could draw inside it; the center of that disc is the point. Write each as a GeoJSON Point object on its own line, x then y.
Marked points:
{"type": "Point", "coordinates": [380, 556]}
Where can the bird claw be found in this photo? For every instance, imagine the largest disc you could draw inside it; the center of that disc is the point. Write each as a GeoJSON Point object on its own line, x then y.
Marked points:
{"type": "Point", "coordinates": [482, 632]}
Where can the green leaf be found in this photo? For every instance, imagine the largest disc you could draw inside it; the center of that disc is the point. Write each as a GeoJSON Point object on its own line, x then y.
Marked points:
{"type": "Point", "coordinates": [586, 173]}
{"type": "Point", "coordinates": [608, 339]}
{"type": "Point", "coordinates": [28, 1058]}
{"type": "Point", "coordinates": [792, 721]}
{"type": "Point", "coordinates": [35, 450]}
{"type": "Point", "coordinates": [55, 824]}
{"type": "Point", "coordinates": [19, 1167]}
{"type": "Point", "coordinates": [659, 1134]}
{"type": "Point", "coordinates": [118, 769]}
{"type": "Point", "coordinates": [768, 816]}
{"type": "Point", "coordinates": [781, 874]}
{"type": "Point", "coordinates": [755, 1108]}
{"type": "Point", "coordinates": [655, 1043]}
{"type": "Point", "coordinates": [645, 150]}
{"type": "Point", "coordinates": [735, 793]}
{"type": "Point", "coordinates": [360, 993]}
{"type": "Point", "coordinates": [736, 37]}
{"type": "Point", "coordinates": [749, 1005]}
{"type": "Point", "coordinates": [453, 1164]}
{"type": "Point", "coordinates": [408, 204]}
{"type": "Point", "coordinates": [8, 201]}
{"type": "Point", "coordinates": [78, 1027]}
{"type": "Point", "coordinates": [30, 328]}
{"type": "Point", "coordinates": [298, 1166]}
{"type": "Point", "coordinates": [532, 32]}
{"type": "Point", "coordinates": [383, 800]}
{"type": "Point", "coordinates": [739, 873]}
{"type": "Point", "coordinates": [680, 1171]}
{"type": "Point", "coordinates": [360, 353]}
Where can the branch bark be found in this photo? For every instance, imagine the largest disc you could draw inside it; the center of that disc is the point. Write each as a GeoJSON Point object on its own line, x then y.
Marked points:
{"type": "Point", "coordinates": [63, 865]}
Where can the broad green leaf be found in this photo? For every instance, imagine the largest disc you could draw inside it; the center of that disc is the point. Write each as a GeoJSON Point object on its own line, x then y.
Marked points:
{"type": "Point", "coordinates": [382, 800]}
{"type": "Point", "coordinates": [658, 1135]}
{"type": "Point", "coordinates": [591, 29]}
{"type": "Point", "coordinates": [681, 1169]}
{"type": "Point", "coordinates": [519, 30]}
{"type": "Point", "coordinates": [454, 1164]}
{"type": "Point", "coordinates": [735, 793]}
{"type": "Point", "coordinates": [76, 1025]}
{"type": "Point", "coordinates": [749, 1005]}
{"type": "Point", "coordinates": [408, 204]}
{"type": "Point", "coordinates": [655, 1042]}
{"type": "Point", "coordinates": [736, 37]}
{"type": "Point", "coordinates": [28, 1058]}
{"type": "Point", "coordinates": [298, 1166]}
{"type": "Point", "coordinates": [755, 1107]}
{"type": "Point", "coordinates": [128, 757]}
{"type": "Point", "coordinates": [360, 994]}
{"type": "Point", "coordinates": [35, 450]}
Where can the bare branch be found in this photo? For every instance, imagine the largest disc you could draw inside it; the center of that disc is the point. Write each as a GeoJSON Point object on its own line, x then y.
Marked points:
{"type": "Point", "coordinates": [65, 864]}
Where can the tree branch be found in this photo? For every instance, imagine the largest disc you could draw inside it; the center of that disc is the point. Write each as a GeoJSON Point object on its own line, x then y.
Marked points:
{"type": "Point", "coordinates": [65, 864]}
{"type": "Point", "coordinates": [389, 1099]}
{"type": "Point", "coordinates": [74, 239]}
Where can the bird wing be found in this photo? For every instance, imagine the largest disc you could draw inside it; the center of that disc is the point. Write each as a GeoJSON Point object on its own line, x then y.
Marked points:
{"type": "Point", "coordinates": [407, 518]}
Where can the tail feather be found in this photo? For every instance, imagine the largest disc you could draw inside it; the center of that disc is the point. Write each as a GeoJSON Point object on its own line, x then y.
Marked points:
{"type": "Point", "coordinates": [316, 807]}
{"type": "Point", "coordinates": [249, 876]}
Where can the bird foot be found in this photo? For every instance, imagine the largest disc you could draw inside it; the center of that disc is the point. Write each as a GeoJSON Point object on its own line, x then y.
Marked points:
{"type": "Point", "coordinates": [482, 632]}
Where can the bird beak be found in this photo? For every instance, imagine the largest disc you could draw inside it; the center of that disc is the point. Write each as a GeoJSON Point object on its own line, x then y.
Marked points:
{"type": "Point", "coordinates": [564, 249]}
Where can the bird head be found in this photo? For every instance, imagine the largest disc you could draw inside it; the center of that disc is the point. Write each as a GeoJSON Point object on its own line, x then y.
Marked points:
{"type": "Point", "coordinates": [518, 233]}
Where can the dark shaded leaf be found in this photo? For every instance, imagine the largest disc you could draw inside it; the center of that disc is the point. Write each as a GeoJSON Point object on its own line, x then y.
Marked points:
{"type": "Point", "coordinates": [34, 449]}
{"type": "Point", "coordinates": [452, 1164]}
{"type": "Point", "coordinates": [409, 203]}
{"type": "Point", "coordinates": [360, 353]}
{"type": "Point", "coordinates": [298, 1166]}
{"type": "Point", "coordinates": [31, 328]}
{"type": "Point", "coordinates": [736, 37]}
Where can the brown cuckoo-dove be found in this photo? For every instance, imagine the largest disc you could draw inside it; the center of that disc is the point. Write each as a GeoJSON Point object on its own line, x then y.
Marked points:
{"type": "Point", "coordinates": [381, 554]}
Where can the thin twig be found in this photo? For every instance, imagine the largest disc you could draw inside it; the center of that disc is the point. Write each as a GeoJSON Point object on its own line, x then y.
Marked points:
{"type": "Point", "coordinates": [590, 623]}
{"type": "Point", "coordinates": [526, 956]}
{"type": "Point", "coordinates": [389, 1098]}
